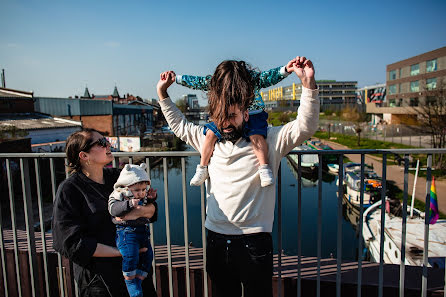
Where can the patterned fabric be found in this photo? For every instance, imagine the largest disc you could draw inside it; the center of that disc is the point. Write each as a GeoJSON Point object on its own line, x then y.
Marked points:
{"type": "Point", "coordinates": [262, 80]}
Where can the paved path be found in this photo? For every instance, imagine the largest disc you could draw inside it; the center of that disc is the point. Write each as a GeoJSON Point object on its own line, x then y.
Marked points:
{"type": "Point", "coordinates": [395, 173]}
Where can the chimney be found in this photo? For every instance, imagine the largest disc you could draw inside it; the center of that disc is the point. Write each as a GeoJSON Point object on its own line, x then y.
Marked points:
{"type": "Point", "coordinates": [3, 79]}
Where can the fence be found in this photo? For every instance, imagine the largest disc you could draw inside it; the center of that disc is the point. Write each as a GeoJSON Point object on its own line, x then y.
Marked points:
{"type": "Point", "coordinates": [28, 167]}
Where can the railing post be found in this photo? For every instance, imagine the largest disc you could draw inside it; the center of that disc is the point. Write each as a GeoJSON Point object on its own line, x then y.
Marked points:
{"type": "Point", "coordinates": [360, 225]}
{"type": "Point", "coordinates": [30, 236]}
{"type": "Point", "coordinates": [339, 229]}
{"type": "Point", "coordinates": [167, 213]}
{"type": "Point", "coordinates": [299, 225]}
{"type": "Point", "coordinates": [404, 225]}
{"type": "Point", "coordinates": [185, 223]}
{"type": "Point", "coordinates": [426, 226]}
{"type": "Point", "coordinates": [42, 225]}
{"type": "Point", "coordinates": [319, 227]}
{"type": "Point", "coordinates": [383, 216]}
{"type": "Point", "coordinates": [279, 230]}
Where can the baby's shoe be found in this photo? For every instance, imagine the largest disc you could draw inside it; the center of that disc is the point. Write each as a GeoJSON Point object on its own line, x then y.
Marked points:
{"type": "Point", "coordinates": [266, 176]}
{"type": "Point", "coordinates": [201, 174]}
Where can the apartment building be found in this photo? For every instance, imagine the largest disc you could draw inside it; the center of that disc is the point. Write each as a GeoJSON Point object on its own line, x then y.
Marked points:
{"type": "Point", "coordinates": [333, 95]}
{"type": "Point", "coordinates": [410, 83]}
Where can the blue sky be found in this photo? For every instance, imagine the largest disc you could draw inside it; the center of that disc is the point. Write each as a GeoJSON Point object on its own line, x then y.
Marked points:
{"type": "Point", "coordinates": [56, 48]}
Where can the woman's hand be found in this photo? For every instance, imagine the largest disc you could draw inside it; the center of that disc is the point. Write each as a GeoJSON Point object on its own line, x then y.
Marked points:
{"type": "Point", "coordinates": [151, 194]}
{"type": "Point", "coordinates": [139, 211]}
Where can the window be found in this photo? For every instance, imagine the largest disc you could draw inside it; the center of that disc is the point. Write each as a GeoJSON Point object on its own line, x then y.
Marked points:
{"type": "Point", "coordinates": [415, 69]}
{"type": "Point", "coordinates": [392, 103]}
{"type": "Point", "coordinates": [431, 83]}
{"type": "Point", "coordinates": [400, 102]}
{"type": "Point", "coordinates": [392, 75]}
{"type": "Point", "coordinates": [413, 102]}
{"type": "Point", "coordinates": [431, 100]}
{"type": "Point", "coordinates": [401, 73]}
{"type": "Point", "coordinates": [431, 65]}
{"type": "Point", "coordinates": [392, 89]}
{"type": "Point", "coordinates": [414, 86]}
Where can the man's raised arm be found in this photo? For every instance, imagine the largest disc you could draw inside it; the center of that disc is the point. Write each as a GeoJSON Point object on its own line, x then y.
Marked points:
{"type": "Point", "coordinates": [296, 132]}
{"type": "Point", "coordinates": [188, 132]}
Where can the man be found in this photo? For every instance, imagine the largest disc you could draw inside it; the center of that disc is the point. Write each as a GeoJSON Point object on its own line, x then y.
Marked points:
{"type": "Point", "coordinates": [240, 213]}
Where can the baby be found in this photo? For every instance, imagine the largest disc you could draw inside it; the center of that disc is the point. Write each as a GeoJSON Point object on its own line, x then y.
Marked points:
{"type": "Point", "coordinates": [130, 190]}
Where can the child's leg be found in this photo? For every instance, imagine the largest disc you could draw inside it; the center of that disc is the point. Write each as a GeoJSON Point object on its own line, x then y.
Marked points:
{"type": "Point", "coordinates": [260, 148]}
{"type": "Point", "coordinates": [201, 173]}
{"type": "Point", "coordinates": [127, 243]}
{"type": "Point", "coordinates": [208, 147]}
{"type": "Point", "coordinates": [256, 129]}
{"type": "Point", "coordinates": [261, 151]}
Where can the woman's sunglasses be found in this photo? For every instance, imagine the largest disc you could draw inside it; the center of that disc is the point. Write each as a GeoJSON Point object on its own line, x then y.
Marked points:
{"type": "Point", "coordinates": [101, 142]}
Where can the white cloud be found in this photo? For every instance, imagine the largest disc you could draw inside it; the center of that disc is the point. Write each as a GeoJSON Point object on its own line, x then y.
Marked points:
{"type": "Point", "coordinates": [12, 45]}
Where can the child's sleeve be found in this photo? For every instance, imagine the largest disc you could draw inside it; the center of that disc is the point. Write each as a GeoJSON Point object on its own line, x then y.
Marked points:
{"type": "Point", "coordinates": [194, 82]}
{"type": "Point", "coordinates": [269, 78]}
{"type": "Point", "coordinates": [118, 206]}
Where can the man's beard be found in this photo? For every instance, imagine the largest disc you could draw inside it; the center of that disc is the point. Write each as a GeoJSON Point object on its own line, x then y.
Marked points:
{"type": "Point", "coordinates": [235, 134]}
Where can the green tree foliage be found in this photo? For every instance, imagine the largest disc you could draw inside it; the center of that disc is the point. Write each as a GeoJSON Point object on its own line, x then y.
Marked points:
{"type": "Point", "coordinates": [11, 132]}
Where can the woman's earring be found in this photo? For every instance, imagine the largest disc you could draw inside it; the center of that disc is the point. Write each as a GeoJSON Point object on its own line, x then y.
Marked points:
{"type": "Point", "coordinates": [88, 162]}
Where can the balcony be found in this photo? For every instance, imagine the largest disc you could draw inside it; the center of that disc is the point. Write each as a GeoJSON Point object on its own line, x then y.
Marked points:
{"type": "Point", "coordinates": [30, 267]}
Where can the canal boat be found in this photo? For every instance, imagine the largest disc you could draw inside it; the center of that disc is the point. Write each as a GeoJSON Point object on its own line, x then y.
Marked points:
{"type": "Point", "coordinates": [352, 185]}
{"type": "Point", "coordinates": [319, 146]}
{"type": "Point", "coordinates": [309, 162]}
{"type": "Point", "coordinates": [414, 244]}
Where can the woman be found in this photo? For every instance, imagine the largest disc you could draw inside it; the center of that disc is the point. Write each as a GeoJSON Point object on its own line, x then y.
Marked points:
{"type": "Point", "coordinates": [82, 227]}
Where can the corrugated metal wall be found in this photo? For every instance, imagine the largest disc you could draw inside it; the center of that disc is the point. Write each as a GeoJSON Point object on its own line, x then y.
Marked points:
{"type": "Point", "coordinates": [72, 107]}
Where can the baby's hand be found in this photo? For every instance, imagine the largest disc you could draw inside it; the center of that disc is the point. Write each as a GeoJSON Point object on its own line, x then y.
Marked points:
{"type": "Point", "coordinates": [151, 194]}
{"type": "Point", "coordinates": [134, 202]}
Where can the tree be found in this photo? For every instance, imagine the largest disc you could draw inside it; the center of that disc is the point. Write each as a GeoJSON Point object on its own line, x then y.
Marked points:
{"type": "Point", "coordinates": [358, 118]}
{"type": "Point", "coordinates": [11, 132]}
{"type": "Point", "coordinates": [431, 116]}
{"type": "Point", "coordinates": [182, 104]}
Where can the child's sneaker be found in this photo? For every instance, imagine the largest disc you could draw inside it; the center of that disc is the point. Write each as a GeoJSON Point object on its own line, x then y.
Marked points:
{"type": "Point", "coordinates": [200, 176]}
{"type": "Point", "coordinates": [266, 176]}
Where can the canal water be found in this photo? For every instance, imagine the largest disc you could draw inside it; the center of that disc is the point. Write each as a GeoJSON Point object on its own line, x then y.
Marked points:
{"type": "Point", "coordinates": [289, 212]}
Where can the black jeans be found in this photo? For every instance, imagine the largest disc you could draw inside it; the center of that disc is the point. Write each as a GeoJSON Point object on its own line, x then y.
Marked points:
{"type": "Point", "coordinates": [236, 259]}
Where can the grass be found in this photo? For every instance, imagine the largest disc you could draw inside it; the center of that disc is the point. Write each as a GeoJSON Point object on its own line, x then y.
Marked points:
{"type": "Point", "coordinates": [352, 142]}
{"type": "Point", "coordinates": [395, 192]}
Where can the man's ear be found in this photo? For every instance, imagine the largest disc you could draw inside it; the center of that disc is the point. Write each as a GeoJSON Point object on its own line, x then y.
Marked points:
{"type": "Point", "coordinates": [246, 115]}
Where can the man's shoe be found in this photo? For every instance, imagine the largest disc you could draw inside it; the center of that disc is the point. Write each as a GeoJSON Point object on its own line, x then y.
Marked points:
{"type": "Point", "coordinates": [266, 177]}
{"type": "Point", "coordinates": [200, 176]}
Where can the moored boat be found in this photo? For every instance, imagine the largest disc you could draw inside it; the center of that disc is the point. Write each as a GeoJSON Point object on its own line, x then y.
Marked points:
{"type": "Point", "coordinates": [309, 162]}
{"type": "Point", "coordinates": [414, 243]}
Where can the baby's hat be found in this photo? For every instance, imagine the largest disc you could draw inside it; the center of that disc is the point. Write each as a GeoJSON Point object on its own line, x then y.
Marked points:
{"type": "Point", "coordinates": [132, 174]}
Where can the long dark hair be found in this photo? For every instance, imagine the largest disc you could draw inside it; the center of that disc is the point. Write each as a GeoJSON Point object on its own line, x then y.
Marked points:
{"type": "Point", "coordinates": [77, 142]}
{"type": "Point", "coordinates": [231, 84]}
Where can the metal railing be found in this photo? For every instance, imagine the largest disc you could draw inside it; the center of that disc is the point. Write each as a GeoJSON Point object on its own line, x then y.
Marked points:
{"type": "Point", "coordinates": [24, 162]}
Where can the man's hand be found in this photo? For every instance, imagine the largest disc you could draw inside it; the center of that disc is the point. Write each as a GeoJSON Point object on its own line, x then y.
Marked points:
{"type": "Point", "coordinates": [305, 71]}
{"type": "Point", "coordinates": [167, 78]}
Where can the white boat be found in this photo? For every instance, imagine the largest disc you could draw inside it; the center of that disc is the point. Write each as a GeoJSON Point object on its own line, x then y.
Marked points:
{"type": "Point", "coordinates": [393, 237]}
{"type": "Point", "coordinates": [309, 162]}
{"type": "Point", "coordinates": [372, 188]}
